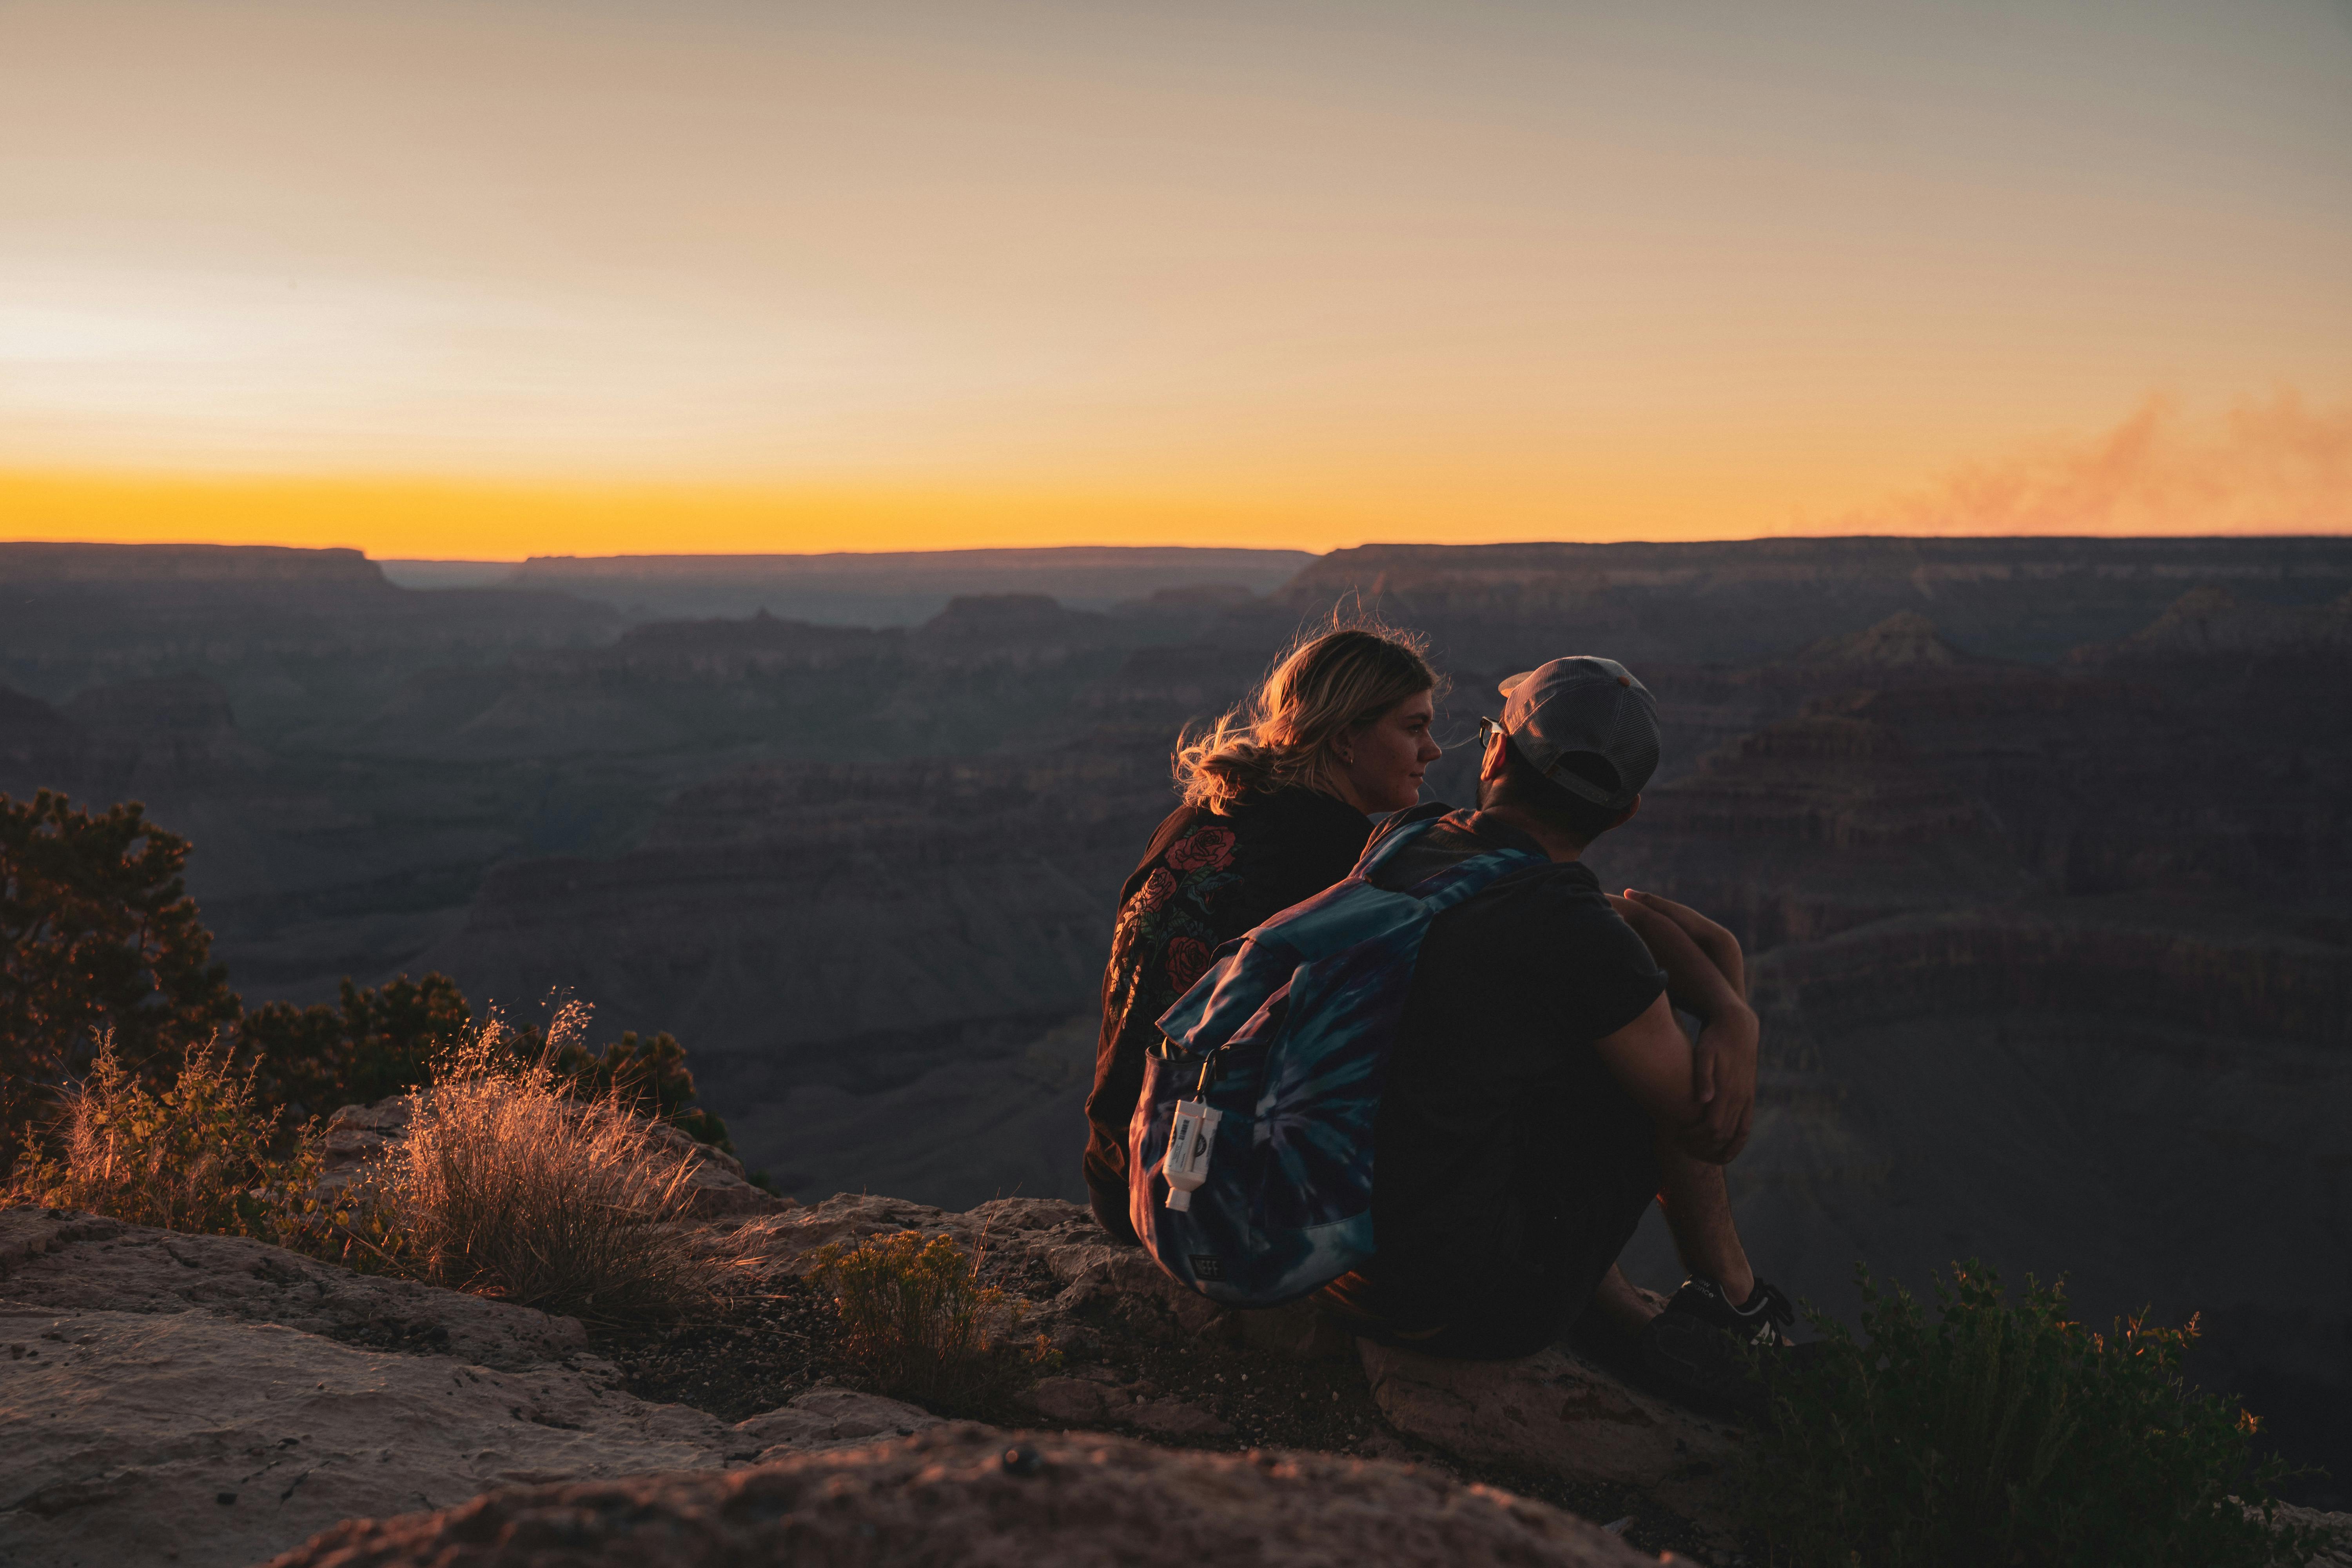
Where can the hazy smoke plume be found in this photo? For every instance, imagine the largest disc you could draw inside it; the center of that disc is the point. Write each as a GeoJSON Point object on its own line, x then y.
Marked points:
{"type": "Point", "coordinates": [2274, 465]}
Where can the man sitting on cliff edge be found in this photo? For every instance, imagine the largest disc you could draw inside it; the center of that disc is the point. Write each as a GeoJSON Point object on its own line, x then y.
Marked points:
{"type": "Point", "coordinates": [1540, 1092]}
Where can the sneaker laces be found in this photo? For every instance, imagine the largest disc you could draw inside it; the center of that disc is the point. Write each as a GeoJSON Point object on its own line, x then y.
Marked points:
{"type": "Point", "coordinates": [1770, 1310]}
{"type": "Point", "coordinates": [1757, 1321]}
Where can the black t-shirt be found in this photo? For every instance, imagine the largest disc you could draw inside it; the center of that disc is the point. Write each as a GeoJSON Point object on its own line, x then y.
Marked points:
{"type": "Point", "coordinates": [1206, 878]}
{"type": "Point", "coordinates": [1507, 1157]}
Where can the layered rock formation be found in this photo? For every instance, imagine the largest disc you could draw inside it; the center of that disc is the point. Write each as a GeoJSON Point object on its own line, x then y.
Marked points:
{"type": "Point", "coordinates": [2053, 945]}
{"type": "Point", "coordinates": [2013, 598]}
{"type": "Point", "coordinates": [169, 736]}
{"type": "Point", "coordinates": [291, 634]}
{"type": "Point", "coordinates": [2054, 975]}
{"type": "Point", "coordinates": [2214, 620]}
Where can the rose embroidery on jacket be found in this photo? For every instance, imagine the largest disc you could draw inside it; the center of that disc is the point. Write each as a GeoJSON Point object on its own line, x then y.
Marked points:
{"type": "Point", "coordinates": [1202, 850]}
{"type": "Point", "coordinates": [1167, 935]}
{"type": "Point", "coordinates": [1187, 959]}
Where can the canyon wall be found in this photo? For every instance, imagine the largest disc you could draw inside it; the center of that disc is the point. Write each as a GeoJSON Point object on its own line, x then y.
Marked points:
{"type": "Point", "coordinates": [2040, 847]}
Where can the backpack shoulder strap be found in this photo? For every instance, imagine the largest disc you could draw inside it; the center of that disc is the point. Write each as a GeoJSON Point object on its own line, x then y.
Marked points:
{"type": "Point", "coordinates": [1451, 883]}
{"type": "Point", "coordinates": [1252, 971]}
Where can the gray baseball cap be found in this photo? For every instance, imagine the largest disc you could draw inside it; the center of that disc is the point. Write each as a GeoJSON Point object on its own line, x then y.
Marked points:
{"type": "Point", "coordinates": [1584, 704]}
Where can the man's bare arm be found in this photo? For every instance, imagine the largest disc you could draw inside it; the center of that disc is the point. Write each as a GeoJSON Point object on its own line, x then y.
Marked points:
{"type": "Point", "coordinates": [1723, 1080]}
{"type": "Point", "coordinates": [1653, 1061]}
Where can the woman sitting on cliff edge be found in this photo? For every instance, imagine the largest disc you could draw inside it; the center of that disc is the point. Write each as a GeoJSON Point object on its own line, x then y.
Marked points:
{"type": "Point", "coordinates": [1278, 798]}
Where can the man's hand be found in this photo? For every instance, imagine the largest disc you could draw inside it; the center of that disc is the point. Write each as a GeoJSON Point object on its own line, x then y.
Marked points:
{"type": "Point", "coordinates": [1723, 1077]}
{"type": "Point", "coordinates": [1722, 948]}
{"type": "Point", "coordinates": [1653, 1060]}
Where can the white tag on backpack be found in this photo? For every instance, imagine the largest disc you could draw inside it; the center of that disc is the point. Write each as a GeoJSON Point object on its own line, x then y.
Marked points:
{"type": "Point", "coordinates": [1190, 1140]}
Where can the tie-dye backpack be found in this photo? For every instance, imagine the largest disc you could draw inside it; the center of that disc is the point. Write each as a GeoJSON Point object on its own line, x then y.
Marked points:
{"type": "Point", "coordinates": [1268, 1077]}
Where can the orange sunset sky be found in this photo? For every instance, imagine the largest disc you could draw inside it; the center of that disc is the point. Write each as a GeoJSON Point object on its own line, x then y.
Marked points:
{"type": "Point", "coordinates": [514, 277]}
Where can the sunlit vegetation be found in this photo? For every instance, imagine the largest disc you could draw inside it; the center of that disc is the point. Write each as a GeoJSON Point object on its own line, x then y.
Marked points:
{"type": "Point", "coordinates": [916, 1322]}
{"type": "Point", "coordinates": [378, 1041]}
{"type": "Point", "coordinates": [2004, 1432]}
{"type": "Point", "coordinates": [99, 940]}
{"type": "Point", "coordinates": [133, 1084]}
{"type": "Point", "coordinates": [511, 1183]}
{"type": "Point", "coordinates": [194, 1154]}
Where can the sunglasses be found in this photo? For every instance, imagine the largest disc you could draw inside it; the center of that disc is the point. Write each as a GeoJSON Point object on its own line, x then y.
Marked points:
{"type": "Point", "coordinates": [1488, 729]}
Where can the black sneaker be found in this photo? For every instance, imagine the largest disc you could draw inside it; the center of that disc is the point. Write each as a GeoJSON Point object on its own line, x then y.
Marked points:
{"type": "Point", "coordinates": [1697, 1351]}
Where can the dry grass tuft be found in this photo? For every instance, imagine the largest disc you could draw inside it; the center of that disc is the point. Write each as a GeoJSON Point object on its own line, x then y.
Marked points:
{"type": "Point", "coordinates": [507, 1187]}
{"type": "Point", "coordinates": [917, 1322]}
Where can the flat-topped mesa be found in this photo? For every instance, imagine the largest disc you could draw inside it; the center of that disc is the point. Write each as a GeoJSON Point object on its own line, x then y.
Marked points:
{"type": "Point", "coordinates": [896, 588]}
{"type": "Point", "coordinates": [85, 614]}
{"type": "Point", "coordinates": [969, 563]}
{"type": "Point", "coordinates": [36, 562]}
{"type": "Point", "coordinates": [1404, 567]}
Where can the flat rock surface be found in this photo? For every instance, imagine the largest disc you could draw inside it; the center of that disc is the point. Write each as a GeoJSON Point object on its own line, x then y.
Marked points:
{"type": "Point", "coordinates": [1018, 1225]}
{"type": "Point", "coordinates": [192, 1439]}
{"type": "Point", "coordinates": [59, 1259]}
{"type": "Point", "coordinates": [1060, 1239]}
{"type": "Point", "coordinates": [208, 1401]}
{"type": "Point", "coordinates": [1092, 1402]}
{"type": "Point", "coordinates": [951, 1496]}
{"type": "Point", "coordinates": [1556, 1413]}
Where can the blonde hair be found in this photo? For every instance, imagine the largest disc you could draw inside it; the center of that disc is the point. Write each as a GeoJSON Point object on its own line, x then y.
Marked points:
{"type": "Point", "coordinates": [1325, 685]}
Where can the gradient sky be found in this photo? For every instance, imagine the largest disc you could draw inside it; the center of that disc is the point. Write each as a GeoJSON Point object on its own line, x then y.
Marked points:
{"type": "Point", "coordinates": [511, 276]}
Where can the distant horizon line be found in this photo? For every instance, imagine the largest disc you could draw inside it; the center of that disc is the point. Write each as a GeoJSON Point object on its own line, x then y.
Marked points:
{"type": "Point", "coordinates": [1141, 549]}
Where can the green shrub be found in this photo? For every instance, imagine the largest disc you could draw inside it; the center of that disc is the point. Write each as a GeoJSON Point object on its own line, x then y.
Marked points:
{"type": "Point", "coordinates": [193, 1156]}
{"type": "Point", "coordinates": [375, 1043]}
{"type": "Point", "coordinates": [98, 937]}
{"type": "Point", "coordinates": [2004, 1433]}
{"type": "Point", "coordinates": [648, 1076]}
{"type": "Point", "coordinates": [916, 1322]}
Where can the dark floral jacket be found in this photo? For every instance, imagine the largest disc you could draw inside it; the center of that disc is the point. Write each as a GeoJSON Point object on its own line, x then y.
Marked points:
{"type": "Point", "coordinates": [1206, 878]}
